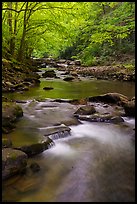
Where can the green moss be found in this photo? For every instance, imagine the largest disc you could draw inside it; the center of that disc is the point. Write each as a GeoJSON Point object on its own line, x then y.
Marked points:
{"type": "Point", "coordinates": [13, 156]}
{"type": "Point", "coordinates": [129, 66]}
{"type": "Point", "coordinates": [12, 108]}
{"type": "Point", "coordinates": [10, 112]}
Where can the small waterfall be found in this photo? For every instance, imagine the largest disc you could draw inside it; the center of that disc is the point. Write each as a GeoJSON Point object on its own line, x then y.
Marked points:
{"type": "Point", "coordinates": [59, 135]}
{"type": "Point", "coordinates": [51, 144]}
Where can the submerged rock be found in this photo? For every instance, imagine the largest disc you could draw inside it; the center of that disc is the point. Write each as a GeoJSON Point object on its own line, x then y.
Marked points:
{"type": "Point", "coordinates": [13, 162]}
{"type": "Point", "coordinates": [48, 88]}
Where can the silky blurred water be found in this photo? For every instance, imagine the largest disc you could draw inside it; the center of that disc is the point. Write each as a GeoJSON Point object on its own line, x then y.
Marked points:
{"type": "Point", "coordinates": [96, 163]}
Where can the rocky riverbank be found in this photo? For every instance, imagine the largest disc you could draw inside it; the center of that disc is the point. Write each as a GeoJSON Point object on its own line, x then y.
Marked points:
{"type": "Point", "coordinates": [18, 77]}
{"type": "Point", "coordinates": [73, 68]}
{"type": "Point", "coordinates": [109, 108]}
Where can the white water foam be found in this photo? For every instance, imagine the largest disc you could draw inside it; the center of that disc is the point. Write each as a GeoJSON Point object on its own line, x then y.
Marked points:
{"type": "Point", "coordinates": [104, 133]}
{"type": "Point", "coordinates": [62, 149]}
{"type": "Point", "coordinates": [129, 120]}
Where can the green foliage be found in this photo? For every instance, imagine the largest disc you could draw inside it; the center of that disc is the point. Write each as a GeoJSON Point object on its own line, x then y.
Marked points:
{"type": "Point", "coordinates": [107, 33]}
{"type": "Point", "coordinates": [90, 31]}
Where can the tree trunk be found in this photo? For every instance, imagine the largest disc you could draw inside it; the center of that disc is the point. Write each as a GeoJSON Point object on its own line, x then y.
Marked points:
{"type": "Point", "coordinates": [9, 4]}
{"type": "Point", "coordinates": [22, 43]}
{"type": "Point", "coordinates": [15, 29]}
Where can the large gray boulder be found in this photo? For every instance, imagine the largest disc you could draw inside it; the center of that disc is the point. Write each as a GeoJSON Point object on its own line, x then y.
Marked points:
{"type": "Point", "coordinates": [13, 162]}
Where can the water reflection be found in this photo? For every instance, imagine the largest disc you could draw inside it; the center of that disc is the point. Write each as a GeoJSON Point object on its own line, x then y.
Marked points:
{"type": "Point", "coordinates": [95, 164]}
{"type": "Point", "coordinates": [76, 89]}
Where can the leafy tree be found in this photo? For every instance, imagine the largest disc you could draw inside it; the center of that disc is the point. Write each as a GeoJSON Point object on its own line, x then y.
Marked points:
{"type": "Point", "coordinates": [85, 30]}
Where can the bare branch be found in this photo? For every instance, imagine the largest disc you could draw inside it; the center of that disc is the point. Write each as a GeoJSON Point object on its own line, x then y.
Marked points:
{"type": "Point", "coordinates": [39, 8]}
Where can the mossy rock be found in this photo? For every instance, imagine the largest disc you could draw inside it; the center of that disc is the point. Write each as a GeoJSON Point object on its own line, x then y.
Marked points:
{"type": "Point", "coordinates": [36, 148]}
{"type": "Point", "coordinates": [13, 162]}
{"type": "Point", "coordinates": [130, 108]}
{"type": "Point", "coordinates": [86, 110]}
{"type": "Point", "coordinates": [114, 98]}
{"type": "Point", "coordinates": [10, 113]}
{"type": "Point", "coordinates": [6, 142]}
{"type": "Point", "coordinates": [49, 73]}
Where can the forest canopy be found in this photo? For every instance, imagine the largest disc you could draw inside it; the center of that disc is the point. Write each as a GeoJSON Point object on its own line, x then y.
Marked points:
{"type": "Point", "coordinates": [89, 31]}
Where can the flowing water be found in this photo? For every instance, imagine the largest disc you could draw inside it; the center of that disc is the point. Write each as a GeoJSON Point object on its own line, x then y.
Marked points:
{"type": "Point", "coordinates": [95, 163]}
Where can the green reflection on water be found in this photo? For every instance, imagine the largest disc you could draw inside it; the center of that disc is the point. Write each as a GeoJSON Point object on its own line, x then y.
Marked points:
{"type": "Point", "coordinates": [75, 89]}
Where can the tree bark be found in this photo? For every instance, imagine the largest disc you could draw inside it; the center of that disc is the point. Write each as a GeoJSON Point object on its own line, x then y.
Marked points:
{"type": "Point", "coordinates": [22, 42]}
{"type": "Point", "coordinates": [9, 4]}
{"type": "Point", "coordinates": [15, 29]}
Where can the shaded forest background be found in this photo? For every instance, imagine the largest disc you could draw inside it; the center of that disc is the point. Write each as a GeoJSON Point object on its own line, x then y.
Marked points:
{"type": "Point", "coordinates": [97, 33]}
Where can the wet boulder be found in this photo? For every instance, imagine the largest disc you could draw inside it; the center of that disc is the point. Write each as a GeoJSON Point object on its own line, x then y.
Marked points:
{"type": "Point", "coordinates": [86, 110]}
{"type": "Point", "coordinates": [116, 119]}
{"type": "Point", "coordinates": [36, 148]}
{"type": "Point", "coordinates": [49, 73]}
{"type": "Point", "coordinates": [130, 108]}
{"type": "Point", "coordinates": [107, 118]}
{"type": "Point", "coordinates": [13, 162]}
{"type": "Point", "coordinates": [71, 121]}
{"type": "Point", "coordinates": [10, 114]}
{"type": "Point", "coordinates": [56, 132]}
{"type": "Point", "coordinates": [114, 98]}
{"type": "Point", "coordinates": [69, 78]}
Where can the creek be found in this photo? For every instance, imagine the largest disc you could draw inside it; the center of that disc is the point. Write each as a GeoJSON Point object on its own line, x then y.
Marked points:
{"type": "Point", "coordinates": [95, 163]}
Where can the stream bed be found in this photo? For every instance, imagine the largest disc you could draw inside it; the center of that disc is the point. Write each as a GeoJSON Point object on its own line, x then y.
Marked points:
{"type": "Point", "coordinates": [95, 163]}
